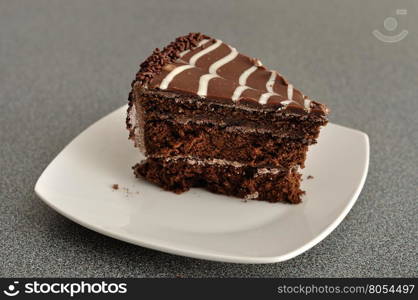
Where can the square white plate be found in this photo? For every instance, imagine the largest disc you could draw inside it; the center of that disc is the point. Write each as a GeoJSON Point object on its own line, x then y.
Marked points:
{"type": "Point", "coordinates": [78, 184]}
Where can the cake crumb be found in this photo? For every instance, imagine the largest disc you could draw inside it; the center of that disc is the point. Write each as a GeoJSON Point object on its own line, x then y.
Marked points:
{"type": "Point", "coordinates": [115, 186]}
{"type": "Point", "coordinates": [310, 177]}
{"type": "Point", "coordinates": [251, 196]}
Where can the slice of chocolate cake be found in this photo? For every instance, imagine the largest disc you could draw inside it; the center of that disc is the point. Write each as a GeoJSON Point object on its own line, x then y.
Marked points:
{"type": "Point", "coordinates": [207, 116]}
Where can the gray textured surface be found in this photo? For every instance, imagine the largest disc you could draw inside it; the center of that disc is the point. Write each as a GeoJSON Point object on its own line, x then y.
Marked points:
{"type": "Point", "coordinates": [65, 64]}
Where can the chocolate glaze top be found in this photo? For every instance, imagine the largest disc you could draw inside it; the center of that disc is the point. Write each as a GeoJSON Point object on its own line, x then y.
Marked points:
{"type": "Point", "coordinates": [199, 65]}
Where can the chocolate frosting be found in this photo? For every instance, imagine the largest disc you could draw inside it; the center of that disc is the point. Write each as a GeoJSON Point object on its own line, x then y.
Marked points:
{"type": "Point", "coordinates": [199, 65]}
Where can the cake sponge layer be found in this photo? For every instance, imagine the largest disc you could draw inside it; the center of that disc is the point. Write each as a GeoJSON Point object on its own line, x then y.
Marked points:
{"type": "Point", "coordinates": [157, 104]}
{"type": "Point", "coordinates": [206, 140]}
{"type": "Point", "coordinates": [179, 175]}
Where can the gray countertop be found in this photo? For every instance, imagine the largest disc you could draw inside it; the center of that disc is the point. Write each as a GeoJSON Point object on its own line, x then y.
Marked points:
{"type": "Point", "coordinates": [65, 64]}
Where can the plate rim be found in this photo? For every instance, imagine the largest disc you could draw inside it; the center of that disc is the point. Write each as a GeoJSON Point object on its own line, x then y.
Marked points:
{"type": "Point", "coordinates": [202, 254]}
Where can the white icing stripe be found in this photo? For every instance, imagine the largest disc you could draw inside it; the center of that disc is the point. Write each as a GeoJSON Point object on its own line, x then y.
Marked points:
{"type": "Point", "coordinates": [181, 54]}
{"type": "Point", "coordinates": [264, 97]}
{"type": "Point", "coordinates": [270, 82]}
{"type": "Point", "coordinates": [170, 76]}
{"type": "Point", "coordinates": [226, 59]}
{"type": "Point", "coordinates": [201, 43]}
{"type": "Point", "coordinates": [244, 76]}
{"type": "Point", "coordinates": [307, 104]}
{"type": "Point", "coordinates": [289, 91]}
{"type": "Point", "coordinates": [286, 102]}
{"type": "Point", "coordinates": [238, 91]}
{"type": "Point", "coordinates": [204, 79]}
{"type": "Point", "coordinates": [203, 84]}
{"type": "Point", "coordinates": [199, 54]}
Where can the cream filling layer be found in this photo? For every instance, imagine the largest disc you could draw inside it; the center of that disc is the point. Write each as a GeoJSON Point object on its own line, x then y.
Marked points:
{"type": "Point", "coordinates": [233, 128]}
{"type": "Point", "coordinates": [215, 161]}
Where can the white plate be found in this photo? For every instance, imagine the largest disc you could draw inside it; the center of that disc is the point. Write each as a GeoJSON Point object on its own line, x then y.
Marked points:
{"type": "Point", "coordinates": [78, 184]}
